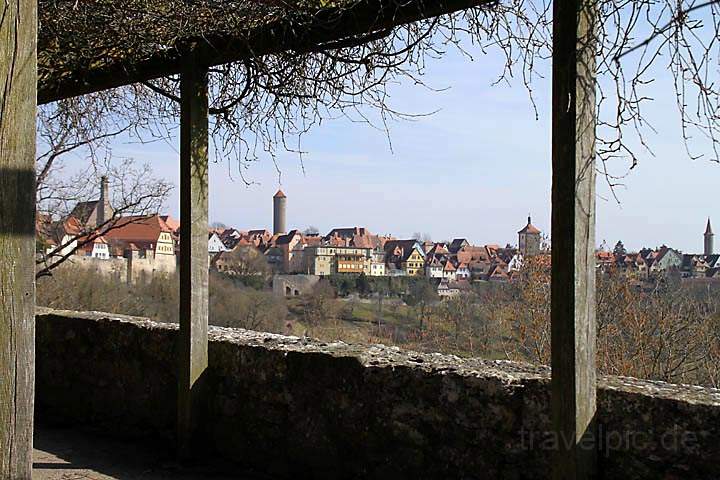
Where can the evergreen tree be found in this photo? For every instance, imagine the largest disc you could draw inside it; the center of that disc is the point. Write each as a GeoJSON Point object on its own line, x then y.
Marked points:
{"type": "Point", "coordinates": [362, 284]}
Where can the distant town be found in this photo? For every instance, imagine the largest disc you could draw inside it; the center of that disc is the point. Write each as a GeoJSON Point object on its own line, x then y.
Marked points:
{"type": "Point", "coordinates": [138, 246]}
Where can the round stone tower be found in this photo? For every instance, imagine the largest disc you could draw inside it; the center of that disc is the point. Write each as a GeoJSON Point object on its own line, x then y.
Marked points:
{"type": "Point", "coordinates": [279, 204]}
{"type": "Point", "coordinates": [709, 236]}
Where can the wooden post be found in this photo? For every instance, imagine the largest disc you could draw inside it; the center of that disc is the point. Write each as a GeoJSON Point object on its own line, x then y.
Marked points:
{"type": "Point", "coordinates": [193, 253]}
{"type": "Point", "coordinates": [573, 238]}
{"type": "Point", "coordinates": [18, 97]}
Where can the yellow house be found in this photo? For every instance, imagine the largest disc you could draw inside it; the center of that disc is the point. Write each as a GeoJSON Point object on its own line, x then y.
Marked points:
{"type": "Point", "coordinates": [165, 244]}
{"type": "Point", "coordinates": [406, 256]}
{"type": "Point", "coordinates": [415, 263]}
{"type": "Point", "coordinates": [327, 260]}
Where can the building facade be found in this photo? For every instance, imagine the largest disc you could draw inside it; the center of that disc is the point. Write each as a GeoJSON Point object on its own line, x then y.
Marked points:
{"type": "Point", "coordinates": [529, 239]}
{"type": "Point", "coordinates": [329, 260]}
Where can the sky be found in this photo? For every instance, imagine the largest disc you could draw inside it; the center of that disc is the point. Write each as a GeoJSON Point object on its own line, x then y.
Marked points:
{"type": "Point", "coordinates": [475, 169]}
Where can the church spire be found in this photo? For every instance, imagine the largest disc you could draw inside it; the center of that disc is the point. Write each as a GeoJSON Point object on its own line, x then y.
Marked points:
{"type": "Point", "coordinates": [709, 237]}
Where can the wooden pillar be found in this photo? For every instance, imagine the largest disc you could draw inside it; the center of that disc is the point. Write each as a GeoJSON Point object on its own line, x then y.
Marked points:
{"type": "Point", "coordinates": [18, 97]}
{"type": "Point", "coordinates": [573, 238]}
{"type": "Point", "coordinates": [193, 253]}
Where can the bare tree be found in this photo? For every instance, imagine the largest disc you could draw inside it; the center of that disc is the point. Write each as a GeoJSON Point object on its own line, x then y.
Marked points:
{"type": "Point", "coordinates": [245, 260]}
{"type": "Point", "coordinates": [267, 102]}
{"type": "Point", "coordinates": [320, 306]}
{"type": "Point", "coordinates": [458, 312]}
{"type": "Point", "coordinates": [668, 333]}
{"type": "Point", "coordinates": [135, 192]}
{"type": "Point", "coordinates": [83, 127]}
{"type": "Point", "coordinates": [422, 297]}
{"type": "Point", "coordinates": [528, 312]}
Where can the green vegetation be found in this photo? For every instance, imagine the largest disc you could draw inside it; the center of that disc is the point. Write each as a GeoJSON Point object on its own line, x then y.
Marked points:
{"type": "Point", "coordinates": [363, 285]}
{"type": "Point", "coordinates": [669, 332]}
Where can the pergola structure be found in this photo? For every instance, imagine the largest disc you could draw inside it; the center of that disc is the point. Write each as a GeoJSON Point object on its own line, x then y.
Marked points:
{"type": "Point", "coordinates": [92, 45]}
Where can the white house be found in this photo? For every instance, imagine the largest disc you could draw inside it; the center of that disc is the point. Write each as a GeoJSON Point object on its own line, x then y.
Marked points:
{"type": "Point", "coordinates": [666, 259]}
{"type": "Point", "coordinates": [433, 268]}
{"type": "Point", "coordinates": [515, 264]}
{"type": "Point", "coordinates": [451, 288]}
{"type": "Point", "coordinates": [69, 232]}
{"type": "Point", "coordinates": [463, 271]}
{"type": "Point", "coordinates": [98, 248]}
{"type": "Point", "coordinates": [377, 268]}
{"type": "Point", "coordinates": [215, 245]}
{"type": "Point", "coordinates": [449, 271]}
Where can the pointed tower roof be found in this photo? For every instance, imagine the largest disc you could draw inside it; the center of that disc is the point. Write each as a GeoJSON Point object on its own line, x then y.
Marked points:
{"type": "Point", "coordinates": [708, 229]}
{"type": "Point", "coordinates": [279, 194]}
{"type": "Point", "coordinates": [530, 228]}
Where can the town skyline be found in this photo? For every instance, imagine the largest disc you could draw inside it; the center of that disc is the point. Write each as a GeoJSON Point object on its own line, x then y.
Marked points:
{"type": "Point", "coordinates": [457, 173]}
{"type": "Point", "coordinates": [510, 234]}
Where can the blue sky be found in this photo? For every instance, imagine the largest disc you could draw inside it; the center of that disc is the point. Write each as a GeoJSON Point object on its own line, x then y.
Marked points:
{"type": "Point", "coordinates": [474, 169]}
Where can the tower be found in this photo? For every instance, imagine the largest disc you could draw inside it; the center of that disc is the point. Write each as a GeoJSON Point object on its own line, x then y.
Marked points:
{"type": "Point", "coordinates": [104, 210]}
{"type": "Point", "coordinates": [279, 204]}
{"type": "Point", "coordinates": [709, 235]}
{"type": "Point", "coordinates": [529, 239]}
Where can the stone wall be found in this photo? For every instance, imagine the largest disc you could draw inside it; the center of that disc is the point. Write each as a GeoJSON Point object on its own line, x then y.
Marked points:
{"type": "Point", "coordinates": [143, 269]}
{"type": "Point", "coordinates": [300, 408]}
{"type": "Point", "coordinates": [115, 267]}
{"type": "Point", "coordinates": [293, 285]}
{"type": "Point", "coordinates": [131, 270]}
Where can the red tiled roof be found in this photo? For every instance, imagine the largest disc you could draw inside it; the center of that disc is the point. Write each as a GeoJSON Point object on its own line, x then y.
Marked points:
{"type": "Point", "coordinates": [605, 257]}
{"type": "Point", "coordinates": [287, 238]}
{"type": "Point", "coordinates": [172, 223]}
{"type": "Point", "coordinates": [280, 194]}
{"type": "Point", "coordinates": [138, 229]}
{"type": "Point", "coordinates": [72, 226]}
{"type": "Point", "coordinates": [312, 241]}
{"type": "Point", "coordinates": [88, 247]}
{"type": "Point", "coordinates": [348, 232]}
{"type": "Point", "coordinates": [530, 228]}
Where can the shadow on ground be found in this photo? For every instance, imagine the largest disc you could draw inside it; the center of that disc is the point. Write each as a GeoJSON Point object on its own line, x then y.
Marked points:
{"type": "Point", "coordinates": [63, 453]}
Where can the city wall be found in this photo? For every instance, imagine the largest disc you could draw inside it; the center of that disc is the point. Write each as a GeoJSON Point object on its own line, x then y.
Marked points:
{"type": "Point", "coordinates": [301, 408]}
{"type": "Point", "coordinates": [129, 270]}
{"type": "Point", "coordinates": [294, 285]}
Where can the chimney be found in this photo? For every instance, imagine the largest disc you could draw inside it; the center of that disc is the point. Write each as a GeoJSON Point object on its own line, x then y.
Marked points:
{"type": "Point", "coordinates": [279, 204]}
{"type": "Point", "coordinates": [709, 239]}
{"type": "Point", "coordinates": [104, 210]}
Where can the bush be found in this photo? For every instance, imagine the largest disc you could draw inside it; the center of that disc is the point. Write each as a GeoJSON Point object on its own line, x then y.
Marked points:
{"type": "Point", "coordinates": [231, 303]}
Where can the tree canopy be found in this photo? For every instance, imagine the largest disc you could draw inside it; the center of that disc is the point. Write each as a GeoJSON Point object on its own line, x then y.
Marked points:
{"type": "Point", "coordinates": [278, 68]}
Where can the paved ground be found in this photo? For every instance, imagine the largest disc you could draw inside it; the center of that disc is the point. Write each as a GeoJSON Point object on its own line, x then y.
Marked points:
{"type": "Point", "coordinates": [65, 454]}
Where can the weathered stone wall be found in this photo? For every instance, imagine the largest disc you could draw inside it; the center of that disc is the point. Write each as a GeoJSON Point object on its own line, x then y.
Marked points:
{"type": "Point", "coordinates": [293, 285]}
{"type": "Point", "coordinates": [143, 269]}
{"type": "Point", "coordinates": [116, 267]}
{"type": "Point", "coordinates": [132, 270]}
{"type": "Point", "coordinates": [317, 410]}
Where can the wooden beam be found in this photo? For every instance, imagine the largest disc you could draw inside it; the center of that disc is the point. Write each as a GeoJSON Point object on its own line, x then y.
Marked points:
{"type": "Point", "coordinates": [573, 238]}
{"type": "Point", "coordinates": [18, 71]}
{"type": "Point", "coordinates": [328, 25]}
{"type": "Point", "coordinates": [193, 253]}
